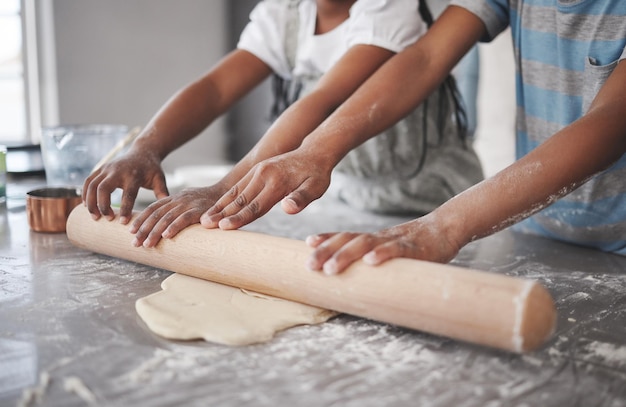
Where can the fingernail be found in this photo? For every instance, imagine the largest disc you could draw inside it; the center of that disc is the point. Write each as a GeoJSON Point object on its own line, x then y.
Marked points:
{"type": "Point", "coordinates": [310, 240]}
{"type": "Point", "coordinates": [224, 223]}
{"type": "Point", "coordinates": [135, 242]}
{"type": "Point", "coordinates": [290, 202]}
{"type": "Point", "coordinates": [124, 220]}
{"type": "Point", "coordinates": [146, 243]}
{"type": "Point", "coordinates": [213, 219]}
{"type": "Point", "coordinates": [94, 216]}
{"type": "Point", "coordinates": [330, 267]}
{"type": "Point", "coordinates": [311, 265]}
{"type": "Point", "coordinates": [208, 224]}
{"type": "Point", "coordinates": [166, 234]}
{"type": "Point", "coordinates": [370, 258]}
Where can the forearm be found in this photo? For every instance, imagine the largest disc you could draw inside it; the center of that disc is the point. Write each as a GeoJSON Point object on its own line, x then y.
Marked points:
{"type": "Point", "coordinates": [305, 115]}
{"type": "Point", "coordinates": [400, 85]}
{"type": "Point", "coordinates": [197, 105]}
{"type": "Point", "coordinates": [183, 117]}
{"type": "Point", "coordinates": [286, 134]}
{"type": "Point", "coordinates": [551, 171]}
{"type": "Point", "coordinates": [291, 128]}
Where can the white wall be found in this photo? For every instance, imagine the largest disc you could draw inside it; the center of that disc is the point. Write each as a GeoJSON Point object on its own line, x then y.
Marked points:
{"type": "Point", "coordinates": [118, 61]}
{"type": "Point", "coordinates": [495, 104]}
{"type": "Point", "coordinates": [495, 132]}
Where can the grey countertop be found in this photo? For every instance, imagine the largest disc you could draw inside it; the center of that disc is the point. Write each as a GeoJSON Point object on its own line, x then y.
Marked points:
{"type": "Point", "coordinates": [70, 336]}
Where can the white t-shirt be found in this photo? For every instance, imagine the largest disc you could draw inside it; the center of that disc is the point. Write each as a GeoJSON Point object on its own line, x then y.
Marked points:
{"type": "Point", "coordinates": [389, 24]}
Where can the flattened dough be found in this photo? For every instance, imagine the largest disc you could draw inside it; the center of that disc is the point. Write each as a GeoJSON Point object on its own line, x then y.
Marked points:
{"type": "Point", "coordinates": [191, 308]}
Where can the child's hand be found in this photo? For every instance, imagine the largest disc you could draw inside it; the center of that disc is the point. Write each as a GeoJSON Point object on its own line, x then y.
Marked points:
{"type": "Point", "coordinates": [168, 216]}
{"type": "Point", "coordinates": [418, 239]}
{"type": "Point", "coordinates": [295, 178]}
{"type": "Point", "coordinates": [130, 172]}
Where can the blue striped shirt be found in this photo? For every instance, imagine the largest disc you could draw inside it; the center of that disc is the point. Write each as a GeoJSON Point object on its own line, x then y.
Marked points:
{"type": "Point", "coordinates": [565, 50]}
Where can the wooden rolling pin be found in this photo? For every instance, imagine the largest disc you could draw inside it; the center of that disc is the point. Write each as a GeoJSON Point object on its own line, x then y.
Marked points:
{"type": "Point", "coordinates": [480, 307]}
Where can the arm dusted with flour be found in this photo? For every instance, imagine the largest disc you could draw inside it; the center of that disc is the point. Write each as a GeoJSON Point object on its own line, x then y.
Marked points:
{"type": "Point", "coordinates": [559, 165]}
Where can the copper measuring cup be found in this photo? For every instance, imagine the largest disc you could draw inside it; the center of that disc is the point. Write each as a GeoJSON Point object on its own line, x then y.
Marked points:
{"type": "Point", "coordinates": [48, 208]}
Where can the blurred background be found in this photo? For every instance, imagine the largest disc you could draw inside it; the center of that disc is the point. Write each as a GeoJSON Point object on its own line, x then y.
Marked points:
{"type": "Point", "coordinates": [118, 61]}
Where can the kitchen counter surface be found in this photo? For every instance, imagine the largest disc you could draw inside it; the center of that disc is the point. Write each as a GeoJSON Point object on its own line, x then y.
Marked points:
{"type": "Point", "coordinates": [70, 336]}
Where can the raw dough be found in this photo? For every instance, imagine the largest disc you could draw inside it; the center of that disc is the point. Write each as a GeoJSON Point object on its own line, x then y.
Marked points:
{"type": "Point", "coordinates": [192, 308]}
